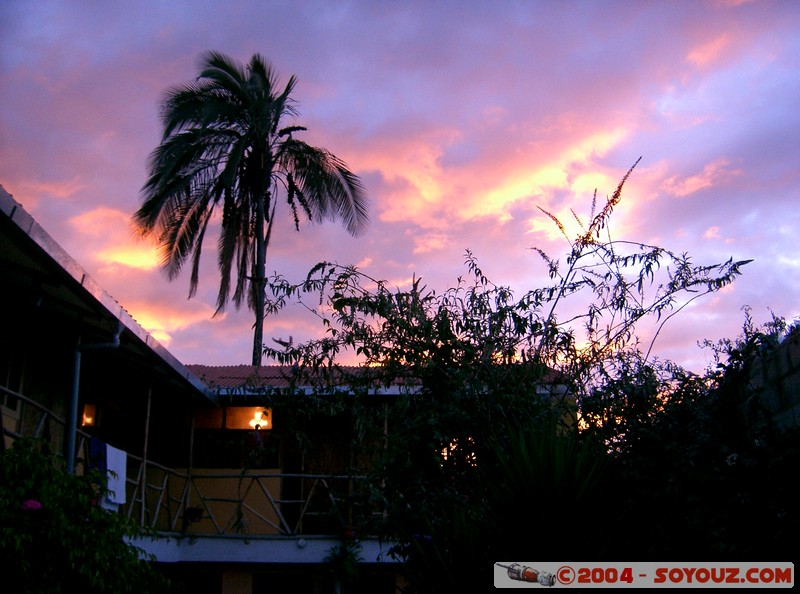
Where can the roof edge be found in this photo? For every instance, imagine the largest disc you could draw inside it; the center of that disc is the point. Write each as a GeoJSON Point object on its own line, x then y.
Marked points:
{"type": "Point", "coordinates": [25, 222]}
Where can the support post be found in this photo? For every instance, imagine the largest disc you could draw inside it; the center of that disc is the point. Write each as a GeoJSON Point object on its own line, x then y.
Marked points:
{"type": "Point", "coordinates": [72, 421]}
{"type": "Point", "coordinates": [143, 474]}
{"type": "Point", "coordinates": [72, 417]}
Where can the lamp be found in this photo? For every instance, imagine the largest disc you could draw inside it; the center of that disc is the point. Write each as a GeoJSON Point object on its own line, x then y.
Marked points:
{"type": "Point", "coordinates": [262, 419]}
{"type": "Point", "coordinates": [89, 413]}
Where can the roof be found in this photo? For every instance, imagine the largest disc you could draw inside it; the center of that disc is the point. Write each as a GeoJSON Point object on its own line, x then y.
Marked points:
{"type": "Point", "coordinates": [30, 258]}
{"type": "Point", "coordinates": [239, 376]}
{"type": "Point", "coordinates": [243, 378]}
{"type": "Point", "coordinates": [250, 379]}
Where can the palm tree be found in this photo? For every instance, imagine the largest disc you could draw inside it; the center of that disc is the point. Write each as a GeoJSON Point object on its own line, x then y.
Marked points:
{"type": "Point", "coordinates": [223, 147]}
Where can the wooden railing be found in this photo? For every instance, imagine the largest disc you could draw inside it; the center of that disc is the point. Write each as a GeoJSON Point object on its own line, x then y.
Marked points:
{"type": "Point", "coordinates": [41, 422]}
{"type": "Point", "coordinates": [215, 502]}
{"type": "Point", "coordinates": [243, 502]}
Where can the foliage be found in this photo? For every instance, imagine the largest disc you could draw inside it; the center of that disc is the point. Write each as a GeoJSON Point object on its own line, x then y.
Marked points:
{"type": "Point", "coordinates": [482, 452]}
{"type": "Point", "coordinates": [54, 537]}
{"type": "Point", "coordinates": [707, 470]}
{"type": "Point", "coordinates": [529, 494]}
{"type": "Point", "coordinates": [606, 288]}
{"type": "Point", "coordinates": [733, 357]}
{"type": "Point", "coordinates": [225, 147]}
{"type": "Point", "coordinates": [341, 566]}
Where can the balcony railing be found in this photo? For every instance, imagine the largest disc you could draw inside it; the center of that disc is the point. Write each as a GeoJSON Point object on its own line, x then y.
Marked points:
{"type": "Point", "coordinates": [244, 502]}
{"type": "Point", "coordinates": [208, 502]}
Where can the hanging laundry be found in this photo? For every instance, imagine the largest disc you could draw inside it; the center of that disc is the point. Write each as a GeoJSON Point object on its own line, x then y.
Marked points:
{"type": "Point", "coordinates": [114, 463]}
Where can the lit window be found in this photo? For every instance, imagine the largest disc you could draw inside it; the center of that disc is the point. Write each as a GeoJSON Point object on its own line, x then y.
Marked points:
{"type": "Point", "coordinates": [89, 415]}
{"type": "Point", "coordinates": [455, 452]}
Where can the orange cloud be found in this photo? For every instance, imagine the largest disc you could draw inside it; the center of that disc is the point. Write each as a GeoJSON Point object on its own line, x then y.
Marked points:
{"type": "Point", "coordinates": [517, 186]}
{"type": "Point", "coordinates": [581, 176]}
{"type": "Point", "coordinates": [143, 257]}
{"type": "Point", "coordinates": [586, 183]}
{"type": "Point", "coordinates": [412, 164]}
{"type": "Point", "coordinates": [108, 233]}
{"type": "Point", "coordinates": [531, 179]}
{"type": "Point", "coordinates": [711, 233]}
{"type": "Point", "coordinates": [543, 226]}
{"type": "Point", "coordinates": [426, 192]}
{"type": "Point", "coordinates": [161, 320]}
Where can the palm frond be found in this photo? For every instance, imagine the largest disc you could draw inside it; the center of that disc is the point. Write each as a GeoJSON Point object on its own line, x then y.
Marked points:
{"type": "Point", "coordinates": [330, 189]}
{"type": "Point", "coordinates": [222, 72]}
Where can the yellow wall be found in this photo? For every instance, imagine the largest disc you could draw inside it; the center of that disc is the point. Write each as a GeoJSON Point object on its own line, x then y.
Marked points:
{"type": "Point", "coordinates": [213, 493]}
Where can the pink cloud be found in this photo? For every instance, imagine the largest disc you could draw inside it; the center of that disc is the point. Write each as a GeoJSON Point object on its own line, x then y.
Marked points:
{"type": "Point", "coordinates": [709, 52]}
{"type": "Point", "coordinates": [163, 320]}
{"type": "Point", "coordinates": [431, 242]}
{"type": "Point", "coordinates": [100, 220]}
{"type": "Point", "coordinates": [65, 189]}
{"type": "Point", "coordinates": [713, 174]}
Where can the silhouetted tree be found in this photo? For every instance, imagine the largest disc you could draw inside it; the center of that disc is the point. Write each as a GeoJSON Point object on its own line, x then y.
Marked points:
{"type": "Point", "coordinates": [224, 148]}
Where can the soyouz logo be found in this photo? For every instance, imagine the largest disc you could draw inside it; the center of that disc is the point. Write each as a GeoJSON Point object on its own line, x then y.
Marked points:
{"type": "Point", "coordinates": [644, 575]}
{"type": "Point", "coordinates": [523, 573]}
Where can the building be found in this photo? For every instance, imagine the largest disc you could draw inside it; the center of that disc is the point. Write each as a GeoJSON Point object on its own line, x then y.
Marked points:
{"type": "Point", "coordinates": [76, 369]}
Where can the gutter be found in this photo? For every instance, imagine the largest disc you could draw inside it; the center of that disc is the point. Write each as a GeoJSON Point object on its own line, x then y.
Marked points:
{"type": "Point", "coordinates": [72, 423]}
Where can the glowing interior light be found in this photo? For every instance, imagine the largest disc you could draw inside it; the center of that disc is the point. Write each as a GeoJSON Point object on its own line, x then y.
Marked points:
{"type": "Point", "coordinates": [260, 420]}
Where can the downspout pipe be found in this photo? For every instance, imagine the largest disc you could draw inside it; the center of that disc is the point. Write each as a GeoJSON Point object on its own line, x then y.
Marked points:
{"type": "Point", "coordinates": [72, 423]}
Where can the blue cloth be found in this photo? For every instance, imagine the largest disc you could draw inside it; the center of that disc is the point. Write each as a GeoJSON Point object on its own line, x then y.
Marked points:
{"type": "Point", "coordinates": [113, 463]}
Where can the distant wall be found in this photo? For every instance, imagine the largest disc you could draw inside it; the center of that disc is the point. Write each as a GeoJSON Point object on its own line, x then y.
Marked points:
{"type": "Point", "coordinates": [775, 381]}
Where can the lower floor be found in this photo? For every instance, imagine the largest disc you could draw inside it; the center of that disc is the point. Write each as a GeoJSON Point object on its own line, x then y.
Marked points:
{"type": "Point", "coordinates": [238, 565]}
{"type": "Point", "coordinates": [210, 578]}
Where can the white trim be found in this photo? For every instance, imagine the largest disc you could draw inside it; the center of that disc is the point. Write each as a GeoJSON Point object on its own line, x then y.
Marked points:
{"type": "Point", "coordinates": [240, 549]}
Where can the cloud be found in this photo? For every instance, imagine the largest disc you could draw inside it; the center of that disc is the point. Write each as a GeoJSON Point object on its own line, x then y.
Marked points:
{"type": "Point", "coordinates": [137, 255]}
{"type": "Point", "coordinates": [709, 52]}
{"type": "Point", "coordinates": [733, 3]}
{"type": "Point", "coordinates": [425, 192]}
{"type": "Point", "coordinates": [37, 191]}
{"type": "Point", "coordinates": [462, 119]}
{"type": "Point", "coordinates": [108, 232]}
{"type": "Point", "coordinates": [163, 320]}
{"type": "Point", "coordinates": [410, 167]}
{"type": "Point", "coordinates": [713, 174]}
{"type": "Point", "coordinates": [430, 242]}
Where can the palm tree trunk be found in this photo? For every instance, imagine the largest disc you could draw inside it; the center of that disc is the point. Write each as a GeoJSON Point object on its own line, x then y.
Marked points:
{"type": "Point", "coordinates": [259, 281]}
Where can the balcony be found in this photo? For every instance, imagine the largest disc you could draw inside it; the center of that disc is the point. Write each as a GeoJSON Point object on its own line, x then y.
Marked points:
{"type": "Point", "coordinates": [232, 514]}
{"type": "Point", "coordinates": [236, 502]}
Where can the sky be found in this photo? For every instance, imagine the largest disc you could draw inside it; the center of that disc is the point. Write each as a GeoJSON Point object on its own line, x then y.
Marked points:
{"type": "Point", "coordinates": [462, 119]}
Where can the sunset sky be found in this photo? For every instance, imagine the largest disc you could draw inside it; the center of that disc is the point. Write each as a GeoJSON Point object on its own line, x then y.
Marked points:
{"type": "Point", "coordinates": [461, 118]}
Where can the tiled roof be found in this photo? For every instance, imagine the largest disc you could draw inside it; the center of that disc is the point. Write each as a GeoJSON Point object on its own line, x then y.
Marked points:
{"type": "Point", "coordinates": [232, 377]}
{"type": "Point", "coordinates": [228, 377]}
{"type": "Point", "coordinates": [238, 376]}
